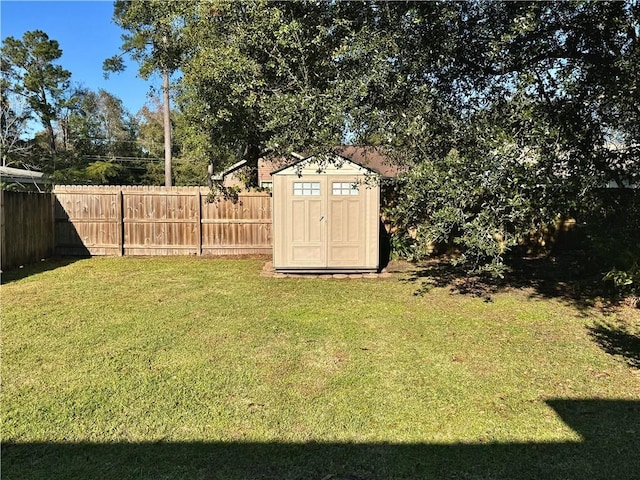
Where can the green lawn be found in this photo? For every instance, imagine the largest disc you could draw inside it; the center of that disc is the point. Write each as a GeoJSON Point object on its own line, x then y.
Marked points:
{"type": "Point", "coordinates": [148, 368]}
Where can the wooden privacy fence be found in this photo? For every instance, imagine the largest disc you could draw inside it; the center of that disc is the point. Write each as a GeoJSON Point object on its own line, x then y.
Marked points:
{"type": "Point", "coordinates": [110, 220]}
{"type": "Point", "coordinates": [26, 227]}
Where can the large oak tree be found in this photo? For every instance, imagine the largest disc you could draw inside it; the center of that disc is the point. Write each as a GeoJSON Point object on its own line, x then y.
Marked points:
{"type": "Point", "coordinates": [508, 113]}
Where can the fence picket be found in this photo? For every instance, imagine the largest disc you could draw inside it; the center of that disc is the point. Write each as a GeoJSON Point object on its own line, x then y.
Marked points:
{"type": "Point", "coordinates": [26, 228]}
{"type": "Point", "coordinates": [160, 221]}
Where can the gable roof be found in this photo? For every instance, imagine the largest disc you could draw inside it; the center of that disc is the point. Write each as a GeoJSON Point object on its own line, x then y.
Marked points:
{"type": "Point", "coordinates": [332, 163]}
{"type": "Point", "coordinates": [370, 158]}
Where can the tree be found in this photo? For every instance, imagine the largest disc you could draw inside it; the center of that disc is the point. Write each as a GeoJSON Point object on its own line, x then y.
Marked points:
{"type": "Point", "coordinates": [189, 167]}
{"type": "Point", "coordinates": [153, 42]}
{"type": "Point", "coordinates": [508, 113]}
{"type": "Point", "coordinates": [260, 78]}
{"type": "Point", "coordinates": [151, 135]}
{"type": "Point", "coordinates": [511, 113]}
{"type": "Point", "coordinates": [151, 139]}
{"type": "Point", "coordinates": [14, 118]}
{"type": "Point", "coordinates": [28, 70]}
{"type": "Point", "coordinates": [99, 138]}
{"type": "Point", "coordinates": [102, 126]}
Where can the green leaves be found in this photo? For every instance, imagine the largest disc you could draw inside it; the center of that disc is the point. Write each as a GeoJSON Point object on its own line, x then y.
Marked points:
{"type": "Point", "coordinates": [479, 200]}
{"type": "Point", "coordinates": [260, 77]}
{"type": "Point", "coordinates": [154, 37]}
{"type": "Point", "coordinates": [102, 172]}
{"type": "Point", "coordinates": [507, 113]}
{"type": "Point", "coordinates": [28, 70]}
{"type": "Point", "coordinates": [113, 64]}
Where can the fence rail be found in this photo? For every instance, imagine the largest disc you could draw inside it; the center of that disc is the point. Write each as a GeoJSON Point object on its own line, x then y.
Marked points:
{"type": "Point", "coordinates": [26, 228]}
{"type": "Point", "coordinates": [159, 221]}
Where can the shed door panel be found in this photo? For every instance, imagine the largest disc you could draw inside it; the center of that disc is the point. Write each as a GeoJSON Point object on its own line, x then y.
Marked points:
{"type": "Point", "coordinates": [305, 227]}
{"type": "Point", "coordinates": [346, 231]}
{"type": "Point", "coordinates": [324, 223]}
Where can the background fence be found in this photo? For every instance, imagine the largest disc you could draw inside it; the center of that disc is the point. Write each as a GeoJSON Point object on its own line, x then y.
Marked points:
{"type": "Point", "coordinates": [26, 228]}
{"type": "Point", "coordinates": [159, 221]}
{"type": "Point", "coordinates": [109, 220]}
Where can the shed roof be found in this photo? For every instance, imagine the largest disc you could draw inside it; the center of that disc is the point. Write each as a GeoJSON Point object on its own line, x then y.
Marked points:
{"type": "Point", "coordinates": [370, 158]}
{"type": "Point", "coordinates": [336, 162]}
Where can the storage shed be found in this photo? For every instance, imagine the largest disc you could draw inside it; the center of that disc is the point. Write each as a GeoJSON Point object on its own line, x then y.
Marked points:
{"type": "Point", "coordinates": [325, 218]}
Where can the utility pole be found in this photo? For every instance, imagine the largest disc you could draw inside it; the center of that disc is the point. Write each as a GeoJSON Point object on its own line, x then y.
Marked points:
{"type": "Point", "coordinates": [167, 127]}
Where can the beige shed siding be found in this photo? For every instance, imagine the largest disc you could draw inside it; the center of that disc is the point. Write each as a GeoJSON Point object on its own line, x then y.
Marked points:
{"type": "Point", "coordinates": [277, 219]}
{"type": "Point", "coordinates": [347, 225]}
{"type": "Point", "coordinates": [372, 213]}
{"type": "Point", "coordinates": [309, 168]}
{"type": "Point", "coordinates": [326, 231]}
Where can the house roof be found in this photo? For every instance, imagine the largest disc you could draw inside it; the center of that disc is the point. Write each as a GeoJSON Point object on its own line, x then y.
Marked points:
{"type": "Point", "coordinates": [220, 176]}
{"type": "Point", "coordinates": [370, 158]}
{"type": "Point", "coordinates": [9, 174]}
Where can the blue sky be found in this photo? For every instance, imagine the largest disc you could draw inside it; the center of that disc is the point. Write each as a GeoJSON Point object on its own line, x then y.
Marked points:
{"type": "Point", "coordinates": [87, 35]}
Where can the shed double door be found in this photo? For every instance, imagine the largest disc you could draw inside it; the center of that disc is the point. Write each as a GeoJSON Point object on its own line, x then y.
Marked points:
{"type": "Point", "coordinates": [324, 223]}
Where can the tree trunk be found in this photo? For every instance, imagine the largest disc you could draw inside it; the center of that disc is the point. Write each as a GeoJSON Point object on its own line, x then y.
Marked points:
{"type": "Point", "coordinates": [167, 128]}
{"type": "Point", "coordinates": [51, 136]}
{"type": "Point", "coordinates": [64, 128]}
{"type": "Point", "coordinates": [252, 154]}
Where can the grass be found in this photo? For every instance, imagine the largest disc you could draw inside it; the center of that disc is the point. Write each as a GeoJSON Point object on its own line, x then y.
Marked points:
{"type": "Point", "coordinates": [201, 368]}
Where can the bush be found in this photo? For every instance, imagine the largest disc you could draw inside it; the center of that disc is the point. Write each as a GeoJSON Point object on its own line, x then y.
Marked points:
{"type": "Point", "coordinates": [626, 282]}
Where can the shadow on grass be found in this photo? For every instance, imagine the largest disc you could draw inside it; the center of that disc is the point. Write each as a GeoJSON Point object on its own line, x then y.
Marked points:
{"type": "Point", "coordinates": [36, 268]}
{"type": "Point", "coordinates": [619, 341]}
{"type": "Point", "coordinates": [610, 432]}
{"type": "Point", "coordinates": [564, 276]}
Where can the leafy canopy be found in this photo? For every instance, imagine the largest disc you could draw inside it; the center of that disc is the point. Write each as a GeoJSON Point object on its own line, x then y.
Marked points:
{"type": "Point", "coordinates": [29, 70]}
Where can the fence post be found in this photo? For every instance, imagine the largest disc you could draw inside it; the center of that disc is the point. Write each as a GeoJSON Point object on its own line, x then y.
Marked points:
{"type": "Point", "coordinates": [3, 238]}
{"type": "Point", "coordinates": [120, 219]}
{"type": "Point", "coordinates": [54, 230]}
{"type": "Point", "coordinates": [199, 219]}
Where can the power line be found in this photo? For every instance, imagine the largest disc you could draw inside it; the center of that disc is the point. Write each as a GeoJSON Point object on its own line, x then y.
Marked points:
{"type": "Point", "coordinates": [123, 159]}
{"type": "Point", "coordinates": [128, 141]}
